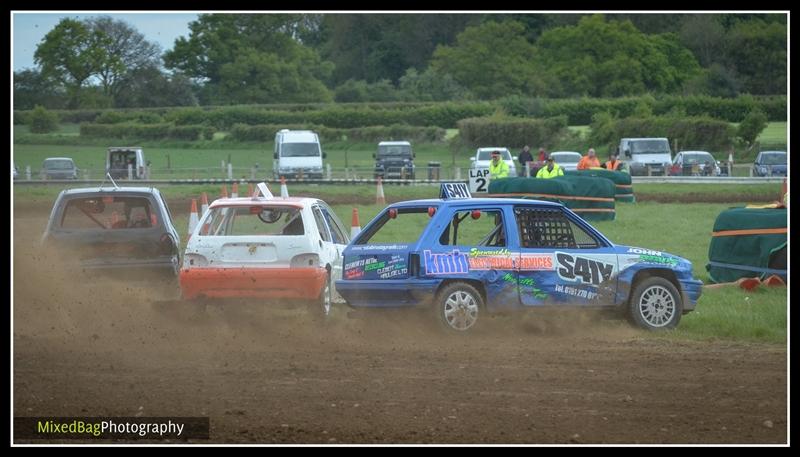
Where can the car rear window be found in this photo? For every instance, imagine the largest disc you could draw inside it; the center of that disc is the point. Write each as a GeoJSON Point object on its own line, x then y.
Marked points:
{"type": "Point", "coordinates": [253, 221]}
{"type": "Point", "coordinates": [109, 213]}
{"type": "Point", "coordinates": [487, 154]}
{"type": "Point", "coordinates": [406, 227]}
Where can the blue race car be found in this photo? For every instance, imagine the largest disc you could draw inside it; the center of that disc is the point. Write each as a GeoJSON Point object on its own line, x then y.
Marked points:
{"type": "Point", "coordinates": [464, 256]}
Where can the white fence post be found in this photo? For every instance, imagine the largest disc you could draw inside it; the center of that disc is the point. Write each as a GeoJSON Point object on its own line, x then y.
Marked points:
{"type": "Point", "coordinates": [130, 171]}
{"type": "Point", "coordinates": [230, 171]}
{"type": "Point", "coordinates": [28, 172]}
{"type": "Point", "coordinates": [222, 165]}
{"type": "Point", "coordinates": [457, 174]}
{"type": "Point", "coordinates": [328, 171]}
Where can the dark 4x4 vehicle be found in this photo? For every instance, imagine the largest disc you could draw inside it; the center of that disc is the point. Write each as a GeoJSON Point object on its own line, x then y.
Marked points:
{"type": "Point", "coordinates": [125, 229]}
{"type": "Point", "coordinates": [394, 159]}
{"type": "Point", "coordinates": [463, 256]}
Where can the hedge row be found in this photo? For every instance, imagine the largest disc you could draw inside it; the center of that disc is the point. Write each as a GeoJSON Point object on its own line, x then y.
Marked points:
{"type": "Point", "coordinates": [147, 132]}
{"type": "Point", "coordinates": [444, 115]}
{"type": "Point", "coordinates": [579, 111]}
{"type": "Point", "coordinates": [372, 134]}
{"type": "Point", "coordinates": [512, 132]}
{"type": "Point", "coordinates": [701, 133]}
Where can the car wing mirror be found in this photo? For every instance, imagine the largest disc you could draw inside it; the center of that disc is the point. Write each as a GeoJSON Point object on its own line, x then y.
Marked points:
{"type": "Point", "coordinates": [324, 155]}
{"type": "Point", "coordinates": [275, 155]}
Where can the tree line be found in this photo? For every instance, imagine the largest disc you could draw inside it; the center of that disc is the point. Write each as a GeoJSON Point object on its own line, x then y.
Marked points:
{"type": "Point", "coordinates": [230, 59]}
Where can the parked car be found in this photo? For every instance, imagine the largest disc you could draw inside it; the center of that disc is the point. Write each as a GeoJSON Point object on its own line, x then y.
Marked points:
{"type": "Point", "coordinates": [59, 168]}
{"type": "Point", "coordinates": [394, 159]}
{"type": "Point", "coordinates": [770, 163]}
{"type": "Point", "coordinates": [464, 256]}
{"type": "Point", "coordinates": [118, 159]}
{"type": "Point", "coordinates": [483, 156]}
{"type": "Point", "coordinates": [689, 163]}
{"type": "Point", "coordinates": [119, 229]}
{"type": "Point", "coordinates": [265, 247]}
{"type": "Point", "coordinates": [643, 155]}
{"type": "Point", "coordinates": [298, 153]}
{"type": "Point", "coordinates": [567, 160]}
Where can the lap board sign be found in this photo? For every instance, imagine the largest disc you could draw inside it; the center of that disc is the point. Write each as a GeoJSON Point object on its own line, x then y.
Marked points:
{"type": "Point", "coordinates": [479, 180]}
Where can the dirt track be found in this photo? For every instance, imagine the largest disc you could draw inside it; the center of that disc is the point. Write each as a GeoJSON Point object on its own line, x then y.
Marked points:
{"type": "Point", "coordinates": [277, 375]}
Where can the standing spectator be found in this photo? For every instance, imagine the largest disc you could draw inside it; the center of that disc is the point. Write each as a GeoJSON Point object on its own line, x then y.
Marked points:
{"type": "Point", "coordinates": [550, 170]}
{"type": "Point", "coordinates": [589, 161]}
{"type": "Point", "coordinates": [542, 155]}
{"type": "Point", "coordinates": [525, 157]}
{"type": "Point", "coordinates": [498, 168]}
{"type": "Point", "coordinates": [613, 163]}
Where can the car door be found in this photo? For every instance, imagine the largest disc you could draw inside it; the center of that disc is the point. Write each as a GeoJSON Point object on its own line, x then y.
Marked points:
{"type": "Point", "coordinates": [330, 252]}
{"type": "Point", "coordinates": [562, 260]}
{"type": "Point", "coordinates": [473, 244]}
{"type": "Point", "coordinates": [339, 239]}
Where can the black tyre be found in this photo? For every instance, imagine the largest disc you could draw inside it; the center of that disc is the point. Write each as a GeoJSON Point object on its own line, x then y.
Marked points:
{"type": "Point", "coordinates": [457, 306]}
{"type": "Point", "coordinates": [655, 304]}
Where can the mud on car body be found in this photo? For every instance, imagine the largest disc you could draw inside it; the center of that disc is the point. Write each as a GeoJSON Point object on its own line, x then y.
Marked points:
{"type": "Point", "coordinates": [265, 247]}
{"type": "Point", "coordinates": [469, 256]}
{"type": "Point", "coordinates": [120, 230]}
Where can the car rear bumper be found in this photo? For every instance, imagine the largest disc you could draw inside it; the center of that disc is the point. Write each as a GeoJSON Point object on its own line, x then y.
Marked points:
{"type": "Point", "coordinates": [387, 293]}
{"type": "Point", "coordinates": [239, 282]}
{"type": "Point", "coordinates": [132, 267]}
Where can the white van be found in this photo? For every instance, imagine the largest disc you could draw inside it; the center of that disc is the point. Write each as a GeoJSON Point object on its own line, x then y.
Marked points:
{"type": "Point", "coordinates": [117, 160]}
{"type": "Point", "coordinates": [298, 153]}
{"type": "Point", "coordinates": [641, 154]}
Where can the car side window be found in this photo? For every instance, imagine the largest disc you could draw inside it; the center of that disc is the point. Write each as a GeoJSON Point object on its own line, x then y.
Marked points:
{"type": "Point", "coordinates": [474, 228]}
{"type": "Point", "coordinates": [337, 232]}
{"type": "Point", "coordinates": [550, 228]}
{"type": "Point", "coordinates": [322, 227]}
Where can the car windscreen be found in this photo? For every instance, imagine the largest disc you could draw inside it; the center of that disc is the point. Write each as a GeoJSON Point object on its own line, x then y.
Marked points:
{"type": "Point", "coordinates": [773, 159]}
{"type": "Point", "coordinates": [257, 220]}
{"type": "Point", "coordinates": [300, 150]}
{"type": "Point", "coordinates": [649, 147]}
{"type": "Point", "coordinates": [567, 158]}
{"type": "Point", "coordinates": [692, 159]}
{"type": "Point", "coordinates": [394, 150]}
{"type": "Point", "coordinates": [487, 154]}
{"type": "Point", "coordinates": [58, 165]}
{"type": "Point", "coordinates": [108, 213]}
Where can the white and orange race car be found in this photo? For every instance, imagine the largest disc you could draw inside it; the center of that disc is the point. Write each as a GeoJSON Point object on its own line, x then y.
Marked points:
{"type": "Point", "coordinates": [265, 247]}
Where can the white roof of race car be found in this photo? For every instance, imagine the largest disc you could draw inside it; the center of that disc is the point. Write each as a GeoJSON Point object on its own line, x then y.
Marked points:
{"type": "Point", "coordinates": [297, 202]}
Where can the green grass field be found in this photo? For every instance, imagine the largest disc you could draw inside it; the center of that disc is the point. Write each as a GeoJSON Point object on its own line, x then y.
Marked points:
{"type": "Point", "coordinates": [202, 159]}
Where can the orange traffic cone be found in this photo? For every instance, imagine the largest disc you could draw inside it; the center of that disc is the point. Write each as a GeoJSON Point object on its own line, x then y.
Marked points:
{"type": "Point", "coordinates": [379, 198]}
{"type": "Point", "coordinates": [235, 190]}
{"type": "Point", "coordinates": [749, 283]}
{"type": "Point", "coordinates": [774, 281]}
{"type": "Point", "coordinates": [193, 219]}
{"type": "Point", "coordinates": [355, 226]}
{"type": "Point", "coordinates": [203, 203]}
{"type": "Point", "coordinates": [224, 193]}
{"type": "Point", "coordinates": [284, 189]}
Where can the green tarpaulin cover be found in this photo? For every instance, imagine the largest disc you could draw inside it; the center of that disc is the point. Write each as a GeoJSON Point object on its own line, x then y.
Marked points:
{"type": "Point", "coordinates": [745, 255]}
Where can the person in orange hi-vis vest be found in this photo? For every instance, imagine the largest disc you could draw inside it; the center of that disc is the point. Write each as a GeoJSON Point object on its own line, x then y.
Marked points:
{"type": "Point", "coordinates": [589, 161]}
